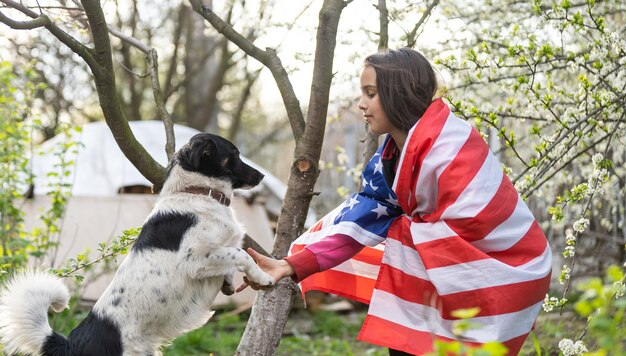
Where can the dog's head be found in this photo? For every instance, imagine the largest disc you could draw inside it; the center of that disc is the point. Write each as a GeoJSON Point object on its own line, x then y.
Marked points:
{"type": "Point", "coordinates": [216, 157]}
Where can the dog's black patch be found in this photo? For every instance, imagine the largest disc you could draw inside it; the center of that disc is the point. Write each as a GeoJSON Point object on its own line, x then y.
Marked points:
{"type": "Point", "coordinates": [164, 231]}
{"type": "Point", "coordinates": [95, 335]}
{"type": "Point", "coordinates": [54, 345]}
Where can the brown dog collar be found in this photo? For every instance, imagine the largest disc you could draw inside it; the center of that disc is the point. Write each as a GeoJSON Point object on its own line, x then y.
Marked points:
{"type": "Point", "coordinates": [215, 194]}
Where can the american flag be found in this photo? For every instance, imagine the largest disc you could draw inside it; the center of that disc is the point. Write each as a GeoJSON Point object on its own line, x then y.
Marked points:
{"type": "Point", "coordinates": [451, 233]}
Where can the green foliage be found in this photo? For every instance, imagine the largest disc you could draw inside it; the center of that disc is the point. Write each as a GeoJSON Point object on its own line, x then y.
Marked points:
{"type": "Point", "coordinates": [220, 336]}
{"type": "Point", "coordinates": [14, 176]}
{"type": "Point", "coordinates": [107, 251]}
{"type": "Point", "coordinates": [21, 247]}
{"type": "Point", "coordinates": [332, 334]}
{"type": "Point", "coordinates": [603, 303]}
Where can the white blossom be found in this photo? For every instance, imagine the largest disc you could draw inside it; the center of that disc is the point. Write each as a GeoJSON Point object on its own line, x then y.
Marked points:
{"type": "Point", "coordinates": [547, 306]}
{"type": "Point", "coordinates": [581, 225]}
{"type": "Point", "coordinates": [570, 238]}
{"type": "Point", "coordinates": [570, 251]}
{"type": "Point", "coordinates": [571, 348]}
{"type": "Point", "coordinates": [549, 303]}
{"type": "Point", "coordinates": [596, 158]}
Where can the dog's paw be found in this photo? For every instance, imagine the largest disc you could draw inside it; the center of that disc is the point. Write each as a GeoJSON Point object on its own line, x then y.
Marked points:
{"type": "Point", "coordinates": [263, 279]}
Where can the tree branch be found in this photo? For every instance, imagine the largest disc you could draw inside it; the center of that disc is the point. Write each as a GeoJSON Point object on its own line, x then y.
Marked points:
{"type": "Point", "coordinates": [152, 58]}
{"type": "Point", "coordinates": [251, 78]}
{"type": "Point", "coordinates": [412, 37]}
{"type": "Point", "coordinates": [109, 100]}
{"type": "Point", "coordinates": [40, 21]}
{"type": "Point", "coordinates": [267, 57]}
{"type": "Point", "coordinates": [78, 48]}
{"type": "Point", "coordinates": [170, 139]}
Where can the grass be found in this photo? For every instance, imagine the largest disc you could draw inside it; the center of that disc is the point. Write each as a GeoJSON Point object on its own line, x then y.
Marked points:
{"type": "Point", "coordinates": [321, 333]}
{"type": "Point", "coordinates": [326, 333]}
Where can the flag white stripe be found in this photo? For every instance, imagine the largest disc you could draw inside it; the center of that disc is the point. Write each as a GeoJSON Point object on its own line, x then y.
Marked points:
{"type": "Point", "coordinates": [358, 268]}
{"type": "Point", "coordinates": [478, 192]}
{"type": "Point", "coordinates": [425, 232]}
{"type": "Point", "coordinates": [465, 276]}
{"type": "Point", "coordinates": [404, 258]}
{"type": "Point", "coordinates": [345, 228]}
{"type": "Point", "coordinates": [419, 317]}
{"type": "Point", "coordinates": [488, 273]}
{"type": "Point", "coordinates": [509, 232]}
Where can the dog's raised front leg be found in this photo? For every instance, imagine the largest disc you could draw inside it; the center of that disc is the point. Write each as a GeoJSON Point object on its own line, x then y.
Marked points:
{"type": "Point", "coordinates": [220, 261]}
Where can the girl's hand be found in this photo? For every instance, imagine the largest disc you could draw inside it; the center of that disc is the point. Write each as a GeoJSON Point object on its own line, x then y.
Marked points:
{"type": "Point", "coordinates": [278, 269]}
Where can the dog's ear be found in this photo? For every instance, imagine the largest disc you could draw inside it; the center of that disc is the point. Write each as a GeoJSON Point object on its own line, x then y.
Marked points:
{"type": "Point", "coordinates": [199, 150]}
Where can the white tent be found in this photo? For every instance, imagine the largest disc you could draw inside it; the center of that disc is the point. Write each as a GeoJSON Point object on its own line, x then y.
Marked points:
{"type": "Point", "coordinates": [96, 212]}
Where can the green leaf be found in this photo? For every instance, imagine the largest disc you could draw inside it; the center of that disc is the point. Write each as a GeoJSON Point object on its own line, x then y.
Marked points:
{"type": "Point", "coordinates": [614, 273]}
{"type": "Point", "coordinates": [465, 313]}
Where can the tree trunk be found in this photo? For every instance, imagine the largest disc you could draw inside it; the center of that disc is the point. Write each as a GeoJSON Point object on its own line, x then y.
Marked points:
{"type": "Point", "coordinates": [271, 308]}
{"type": "Point", "coordinates": [203, 67]}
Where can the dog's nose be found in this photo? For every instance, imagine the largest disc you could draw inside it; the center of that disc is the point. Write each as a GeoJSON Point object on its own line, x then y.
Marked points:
{"type": "Point", "coordinates": [259, 177]}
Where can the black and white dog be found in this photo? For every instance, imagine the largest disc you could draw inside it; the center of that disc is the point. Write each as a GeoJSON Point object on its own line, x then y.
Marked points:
{"type": "Point", "coordinates": [186, 252]}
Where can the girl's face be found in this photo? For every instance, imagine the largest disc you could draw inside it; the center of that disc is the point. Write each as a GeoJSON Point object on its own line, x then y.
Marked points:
{"type": "Point", "coordinates": [370, 104]}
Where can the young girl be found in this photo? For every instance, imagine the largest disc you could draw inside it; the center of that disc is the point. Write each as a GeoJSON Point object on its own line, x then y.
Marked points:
{"type": "Point", "coordinates": [438, 227]}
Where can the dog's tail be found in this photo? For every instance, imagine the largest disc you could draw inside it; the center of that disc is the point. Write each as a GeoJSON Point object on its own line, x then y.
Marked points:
{"type": "Point", "coordinates": [24, 304]}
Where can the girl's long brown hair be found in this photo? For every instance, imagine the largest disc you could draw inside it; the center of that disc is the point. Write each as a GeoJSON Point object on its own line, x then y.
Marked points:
{"type": "Point", "coordinates": [406, 83]}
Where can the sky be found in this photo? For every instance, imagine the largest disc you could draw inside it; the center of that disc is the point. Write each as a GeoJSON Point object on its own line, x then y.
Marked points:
{"type": "Point", "coordinates": [357, 38]}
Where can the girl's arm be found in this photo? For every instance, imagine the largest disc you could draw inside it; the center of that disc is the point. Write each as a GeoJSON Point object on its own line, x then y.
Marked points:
{"type": "Point", "coordinates": [316, 257]}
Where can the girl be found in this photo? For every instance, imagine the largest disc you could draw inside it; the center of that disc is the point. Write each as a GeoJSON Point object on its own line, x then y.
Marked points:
{"type": "Point", "coordinates": [437, 229]}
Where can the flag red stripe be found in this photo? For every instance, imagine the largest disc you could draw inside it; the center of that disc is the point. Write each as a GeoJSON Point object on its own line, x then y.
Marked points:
{"type": "Point", "coordinates": [385, 333]}
{"type": "Point", "coordinates": [344, 284]}
{"type": "Point", "coordinates": [448, 251]}
{"type": "Point", "coordinates": [370, 255]}
{"type": "Point", "coordinates": [453, 250]}
{"type": "Point", "coordinates": [497, 211]}
{"type": "Point", "coordinates": [496, 300]}
{"type": "Point", "coordinates": [533, 244]}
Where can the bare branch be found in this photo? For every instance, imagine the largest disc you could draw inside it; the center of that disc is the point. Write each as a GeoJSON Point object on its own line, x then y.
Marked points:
{"type": "Point", "coordinates": [267, 57]}
{"type": "Point", "coordinates": [80, 49]}
{"type": "Point", "coordinates": [130, 40]}
{"type": "Point", "coordinates": [170, 143]}
{"type": "Point", "coordinates": [40, 21]}
{"type": "Point", "coordinates": [152, 59]}
{"type": "Point", "coordinates": [174, 57]}
{"type": "Point", "coordinates": [412, 37]}
{"type": "Point", "coordinates": [245, 95]}
{"type": "Point", "coordinates": [23, 9]}
{"type": "Point", "coordinates": [370, 139]}
{"type": "Point", "coordinates": [383, 19]}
